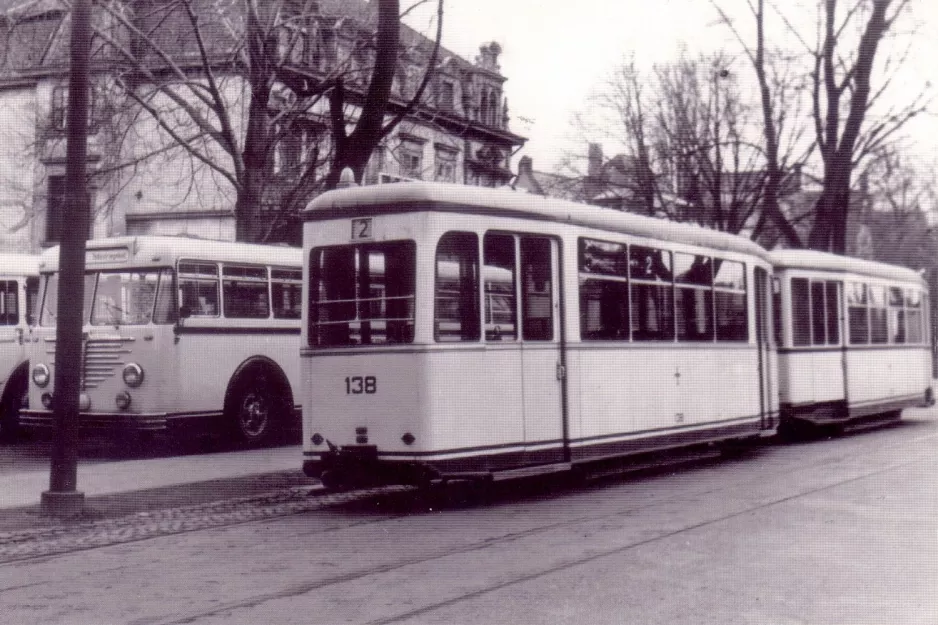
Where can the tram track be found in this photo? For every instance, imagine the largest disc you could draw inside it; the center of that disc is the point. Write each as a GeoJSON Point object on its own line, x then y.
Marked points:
{"type": "Point", "coordinates": [400, 566]}
{"type": "Point", "coordinates": [806, 467]}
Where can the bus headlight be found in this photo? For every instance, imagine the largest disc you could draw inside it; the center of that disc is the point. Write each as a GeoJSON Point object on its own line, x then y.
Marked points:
{"type": "Point", "coordinates": [133, 375]}
{"type": "Point", "coordinates": [41, 375]}
{"type": "Point", "coordinates": [122, 400]}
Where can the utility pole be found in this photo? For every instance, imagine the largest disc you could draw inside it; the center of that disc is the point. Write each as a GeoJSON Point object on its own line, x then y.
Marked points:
{"type": "Point", "coordinates": [63, 498]}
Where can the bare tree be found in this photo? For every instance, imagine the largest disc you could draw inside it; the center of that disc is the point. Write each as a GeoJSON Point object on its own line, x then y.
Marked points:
{"type": "Point", "coordinates": [683, 129]}
{"type": "Point", "coordinates": [263, 101]}
{"type": "Point", "coordinates": [840, 83]}
{"type": "Point", "coordinates": [835, 78]}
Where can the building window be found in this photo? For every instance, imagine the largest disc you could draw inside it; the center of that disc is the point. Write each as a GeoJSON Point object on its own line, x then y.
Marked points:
{"type": "Point", "coordinates": [410, 158]}
{"type": "Point", "coordinates": [325, 50]}
{"type": "Point", "coordinates": [446, 95]}
{"type": "Point", "coordinates": [445, 164]}
{"type": "Point", "coordinates": [55, 208]}
{"type": "Point", "coordinates": [296, 150]}
{"type": "Point", "coordinates": [58, 112]}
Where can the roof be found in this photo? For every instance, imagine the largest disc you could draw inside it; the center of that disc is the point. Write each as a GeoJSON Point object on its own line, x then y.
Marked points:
{"type": "Point", "coordinates": [823, 261]}
{"type": "Point", "coordinates": [19, 264]}
{"type": "Point", "coordinates": [410, 196]}
{"type": "Point", "coordinates": [162, 251]}
{"type": "Point", "coordinates": [37, 43]}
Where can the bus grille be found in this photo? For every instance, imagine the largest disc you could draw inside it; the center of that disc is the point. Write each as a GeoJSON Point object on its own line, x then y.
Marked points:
{"type": "Point", "coordinates": [102, 358]}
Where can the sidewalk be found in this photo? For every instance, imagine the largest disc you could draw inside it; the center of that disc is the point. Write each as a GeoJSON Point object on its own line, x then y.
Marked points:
{"type": "Point", "coordinates": [127, 487]}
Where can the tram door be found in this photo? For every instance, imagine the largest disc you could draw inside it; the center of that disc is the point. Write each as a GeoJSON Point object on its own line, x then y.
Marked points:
{"type": "Point", "coordinates": [542, 370]}
{"type": "Point", "coordinates": [522, 330]}
{"type": "Point", "coordinates": [767, 365]}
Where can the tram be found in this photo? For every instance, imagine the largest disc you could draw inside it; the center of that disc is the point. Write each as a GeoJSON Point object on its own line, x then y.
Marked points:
{"type": "Point", "coordinates": [453, 332]}
{"type": "Point", "coordinates": [853, 340]}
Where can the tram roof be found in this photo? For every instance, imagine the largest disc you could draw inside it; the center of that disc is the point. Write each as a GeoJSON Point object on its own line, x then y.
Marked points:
{"type": "Point", "coordinates": [824, 261]}
{"type": "Point", "coordinates": [160, 250]}
{"type": "Point", "coordinates": [12, 264]}
{"type": "Point", "coordinates": [410, 196]}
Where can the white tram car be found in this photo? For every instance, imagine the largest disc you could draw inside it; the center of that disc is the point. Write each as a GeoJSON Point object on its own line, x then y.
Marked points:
{"type": "Point", "coordinates": [452, 331]}
{"type": "Point", "coordinates": [19, 286]}
{"type": "Point", "coordinates": [853, 339]}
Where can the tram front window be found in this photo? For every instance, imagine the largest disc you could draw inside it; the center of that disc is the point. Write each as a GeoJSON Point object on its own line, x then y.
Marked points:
{"type": "Point", "coordinates": [362, 294]}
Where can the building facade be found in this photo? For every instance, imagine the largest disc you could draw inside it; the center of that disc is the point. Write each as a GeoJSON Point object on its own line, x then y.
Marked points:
{"type": "Point", "coordinates": [141, 184]}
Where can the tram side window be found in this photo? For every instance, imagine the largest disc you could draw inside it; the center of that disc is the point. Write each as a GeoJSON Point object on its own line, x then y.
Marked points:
{"type": "Point", "coordinates": [9, 303]}
{"type": "Point", "coordinates": [879, 324]}
{"type": "Point", "coordinates": [858, 313]}
{"type": "Point", "coordinates": [729, 292]}
{"type": "Point", "coordinates": [693, 277]}
{"type": "Point", "coordinates": [914, 316]}
{"type": "Point", "coordinates": [537, 295]}
{"type": "Point", "coordinates": [652, 295]}
{"type": "Point", "coordinates": [800, 312]}
{"type": "Point", "coordinates": [604, 290]}
{"type": "Point", "coordinates": [198, 289]}
{"type": "Point", "coordinates": [897, 318]}
{"type": "Point", "coordinates": [832, 299]}
{"type": "Point", "coordinates": [498, 274]}
{"type": "Point", "coordinates": [286, 291]}
{"type": "Point", "coordinates": [456, 314]}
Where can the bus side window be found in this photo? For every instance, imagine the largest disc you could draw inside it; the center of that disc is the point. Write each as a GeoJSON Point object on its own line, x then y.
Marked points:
{"type": "Point", "coordinates": [9, 296]}
{"type": "Point", "coordinates": [198, 289]}
{"type": "Point", "coordinates": [286, 290]}
{"type": "Point", "coordinates": [32, 300]}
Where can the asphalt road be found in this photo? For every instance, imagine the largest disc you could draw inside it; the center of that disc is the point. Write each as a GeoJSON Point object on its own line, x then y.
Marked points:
{"type": "Point", "coordinates": [829, 531]}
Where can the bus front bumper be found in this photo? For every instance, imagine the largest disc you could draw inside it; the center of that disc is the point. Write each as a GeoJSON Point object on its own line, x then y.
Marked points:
{"type": "Point", "coordinates": [98, 421]}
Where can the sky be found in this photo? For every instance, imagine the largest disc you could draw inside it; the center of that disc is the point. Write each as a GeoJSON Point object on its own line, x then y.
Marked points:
{"type": "Point", "coordinates": [557, 53]}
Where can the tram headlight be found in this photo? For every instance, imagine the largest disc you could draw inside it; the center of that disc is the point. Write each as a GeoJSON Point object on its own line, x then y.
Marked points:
{"type": "Point", "coordinates": [41, 375]}
{"type": "Point", "coordinates": [123, 400]}
{"type": "Point", "coordinates": [133, 375]}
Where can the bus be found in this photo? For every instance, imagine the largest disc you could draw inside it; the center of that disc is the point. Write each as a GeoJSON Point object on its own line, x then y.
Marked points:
{"type": "Point", "coordinates": [853, 340]}
{"type": "Point", "coordinates": [178, 332]}
{"type": "Point", "coordinates": [455, 332]}
{"type": "Point", "coordinates": [19, 287]}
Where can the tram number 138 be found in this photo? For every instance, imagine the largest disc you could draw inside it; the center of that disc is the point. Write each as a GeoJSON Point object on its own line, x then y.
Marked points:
{"type": "Point", "coordinates": [358, 385]}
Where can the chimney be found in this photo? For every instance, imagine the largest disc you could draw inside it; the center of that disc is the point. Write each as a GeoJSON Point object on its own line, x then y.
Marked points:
{"type": "Point", "coordinates": [594, 161]}
{"type": "Point", "coordinates": [593, 184]}
{"type": "Point", "coordinates": [526, 166]}
{"type": "Point", "coordinates": [488, 56]}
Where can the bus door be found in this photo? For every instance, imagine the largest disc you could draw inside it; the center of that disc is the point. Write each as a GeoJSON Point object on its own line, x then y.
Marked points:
{"type": "Point", "coordinates": [543, 366]}
{"type": "Point", "coordinates": [766, 363]}
{"type": "Point", "coordinates": [11, 325]}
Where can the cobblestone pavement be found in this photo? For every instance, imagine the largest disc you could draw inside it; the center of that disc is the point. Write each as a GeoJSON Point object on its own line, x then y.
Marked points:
{"type": "Point", "coordinates": [66, 537]}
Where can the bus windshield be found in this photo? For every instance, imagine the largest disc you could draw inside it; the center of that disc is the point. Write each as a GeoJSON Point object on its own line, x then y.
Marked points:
{"type": "Point", "coordinates": [118, 298]}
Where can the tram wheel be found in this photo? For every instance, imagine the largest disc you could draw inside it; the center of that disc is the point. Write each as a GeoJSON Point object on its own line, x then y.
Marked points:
{"type": "Point", "coordinates": [253, 413]}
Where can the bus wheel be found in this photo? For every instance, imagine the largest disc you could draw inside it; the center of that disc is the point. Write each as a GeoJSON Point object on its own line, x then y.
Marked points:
{"type": "Point", "coordinates": [16, 398]}
{"type": "Point", "coordinates": [254, 413]}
